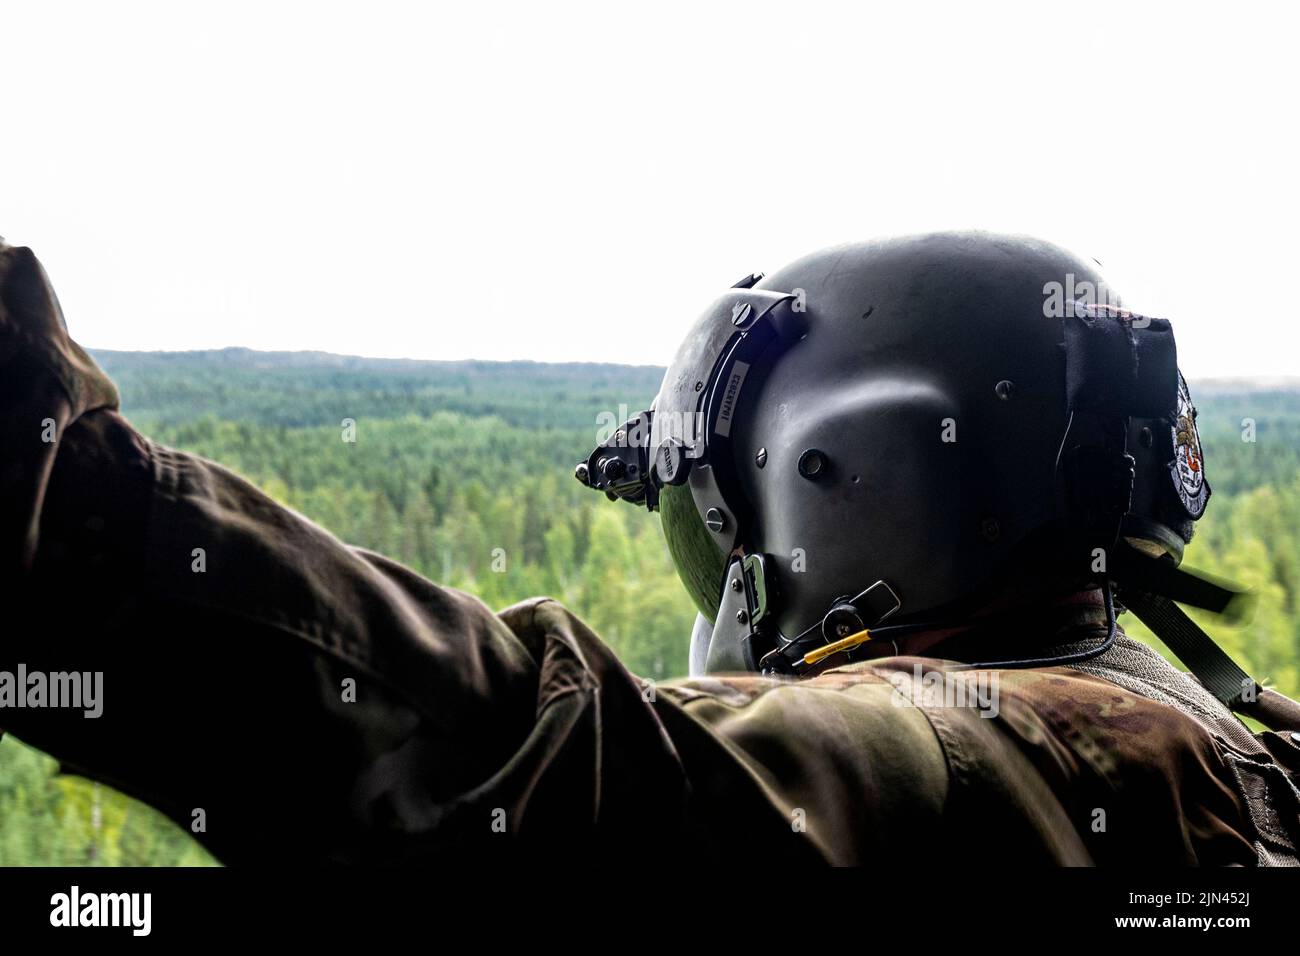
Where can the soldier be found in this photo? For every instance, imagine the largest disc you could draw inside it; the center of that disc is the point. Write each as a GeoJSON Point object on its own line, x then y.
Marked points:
{"type": "Point", "coordinates": [908, 503]}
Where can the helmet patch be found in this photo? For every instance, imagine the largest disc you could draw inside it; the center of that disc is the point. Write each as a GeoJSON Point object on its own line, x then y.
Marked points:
{"type": "Point", "coordinates": [1188, 466]}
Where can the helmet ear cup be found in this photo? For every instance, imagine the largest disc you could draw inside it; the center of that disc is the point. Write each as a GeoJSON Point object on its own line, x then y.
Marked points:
{"type": "Point", "coordinates": [884, 445]}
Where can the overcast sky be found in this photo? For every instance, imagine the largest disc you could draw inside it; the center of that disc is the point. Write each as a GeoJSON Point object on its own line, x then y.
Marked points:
{"type": "Point", "coordinates": [578, 181]}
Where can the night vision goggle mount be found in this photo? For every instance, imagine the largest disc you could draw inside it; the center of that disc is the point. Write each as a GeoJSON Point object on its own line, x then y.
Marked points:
{"type": "Point", "coordinates": [690, 421]}
{"type": "Point", "coordinates": [620, 467]}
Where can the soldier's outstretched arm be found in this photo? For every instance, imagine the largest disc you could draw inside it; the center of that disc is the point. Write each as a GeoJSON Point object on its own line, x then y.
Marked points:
{"type": "Point", "coordinates": [281, 694]}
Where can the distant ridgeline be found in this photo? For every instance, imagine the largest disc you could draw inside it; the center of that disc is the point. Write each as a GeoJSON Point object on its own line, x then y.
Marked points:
{"type": "Point", "coordinates": [316, 388]}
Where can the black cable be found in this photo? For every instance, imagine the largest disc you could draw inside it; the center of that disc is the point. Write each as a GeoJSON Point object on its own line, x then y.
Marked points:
{"type": "Point", "coordinates": [1112, 632]}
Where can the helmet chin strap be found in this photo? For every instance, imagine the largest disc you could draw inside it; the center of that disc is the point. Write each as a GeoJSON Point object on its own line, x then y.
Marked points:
{"type": "Point", "coordinates": [802, 665]}
{"type": "Point", "coordinates": [1149, 587]}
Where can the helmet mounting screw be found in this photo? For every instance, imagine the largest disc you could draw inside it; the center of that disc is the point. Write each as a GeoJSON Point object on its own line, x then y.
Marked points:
{"type": "Point", "coordinates": [1005, 390]}
{"type": "Point", "coordinates": [761, 458]}
{"type": "Point", "coordinates": [714, 520]}
{"type": "Point", "coordinates": [741, 617]}
{"type": "Point", "coordinates": [735, 584]}
{"type": "Point", "coordinates": [811, 464]}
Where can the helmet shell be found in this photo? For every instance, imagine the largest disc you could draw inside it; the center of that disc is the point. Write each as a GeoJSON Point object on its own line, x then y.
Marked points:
{"type": "Point", "coordinates": [930, 383]}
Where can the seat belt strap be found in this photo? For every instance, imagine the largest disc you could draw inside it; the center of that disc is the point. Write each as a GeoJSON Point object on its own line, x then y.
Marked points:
{"type": "Point", "coordinates": [1218, 672]}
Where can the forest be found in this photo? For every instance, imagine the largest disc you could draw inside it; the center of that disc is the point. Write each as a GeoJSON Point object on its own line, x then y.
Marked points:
{"type": "Point", "coordinates": [464, 471]}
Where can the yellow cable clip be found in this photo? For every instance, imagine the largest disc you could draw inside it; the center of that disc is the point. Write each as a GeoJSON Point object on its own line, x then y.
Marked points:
{"type": "Point", "coordinates": [843, 644]}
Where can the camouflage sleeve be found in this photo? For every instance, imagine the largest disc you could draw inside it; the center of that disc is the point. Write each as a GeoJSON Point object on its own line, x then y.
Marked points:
{"type": "Point", "coordinates": [827, 771]}
{"type": "Point", "coordinates": [746, 767]}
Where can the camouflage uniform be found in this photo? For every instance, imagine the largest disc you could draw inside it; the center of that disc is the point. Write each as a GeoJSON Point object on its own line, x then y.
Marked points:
{"type": "Point", "coordinates": [470, 732]}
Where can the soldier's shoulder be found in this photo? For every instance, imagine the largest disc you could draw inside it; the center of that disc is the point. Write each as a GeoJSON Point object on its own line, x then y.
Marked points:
{"type": "Point", "coordinates": [1132, 775]}
{"type": "Point", "coordinates": [1100, 723]}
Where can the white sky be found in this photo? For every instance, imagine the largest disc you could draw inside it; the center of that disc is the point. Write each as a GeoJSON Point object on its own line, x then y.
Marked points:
{"type": "Point", "coordinates": [578, 181]}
